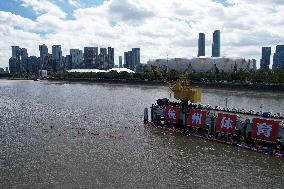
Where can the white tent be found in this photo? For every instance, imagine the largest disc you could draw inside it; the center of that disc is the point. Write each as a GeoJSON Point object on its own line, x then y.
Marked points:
{"type": "Point", "coordinates": [97, 70]}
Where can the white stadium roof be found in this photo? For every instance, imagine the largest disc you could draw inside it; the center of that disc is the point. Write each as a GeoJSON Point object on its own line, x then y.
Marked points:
{"type": "Point", "coordinates": [97, 70]}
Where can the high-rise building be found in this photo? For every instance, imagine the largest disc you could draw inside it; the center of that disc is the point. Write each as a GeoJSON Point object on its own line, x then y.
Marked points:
{"type": "Point", "coordinates": [16, 52]}
{"type": "Point", "coordinates": [24, 53]}
{"type": "Point", "coordinates": [15, 61]}
{"type": "Point", "coordinates": [125, 64]}
{"type": "Point", "coordinates": [56, 52]}
{"type": "Point", "coordinates": [103, 59]}
{"type": "Point", "coordinates": [132, 58]}
{"type": "Point", "coordinates": [57, 58]}
{"type": "Point", "coordinates": [47, 63]}
{"type": "Point", "coordinates": [90, 57]}
{"type": "Point", "coordinates": [216, 44]}
{"type": "Point", "coordinates": [34, 65]}
{"type": "Point", "coordinates": [103, 51]}
{"type": "Point", "coordinates": [278, 58]}
{"type": "Point", "coordinates": [43, 51]}
{"type": "Point", "coordinates": [201, 45]}
{"type": "Point", "coordinates": [265, 58]}
{"type": "Point", "coordinates": [68, 63]}
{"type": "Point", "coordinates": [76, 58]}
{"type": "Point", "coordinates": [24, 60]}
{"type": "Point", "coordinates": [135, 57]}
{"type": "Point", "coordinates": [110, 58]}
{"type": "Point", "coordinates": [254, 64]}
{"type": "Point", "coordinates": [13, 64]}
{"type": "Point", "coordinates": [120, 61]}
{"type": "Point", "coordinates": [128, 60]}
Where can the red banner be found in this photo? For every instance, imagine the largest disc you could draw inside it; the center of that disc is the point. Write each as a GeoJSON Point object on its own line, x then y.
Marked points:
{"type": "Point", "coordinates": [196, 118]}
{"type": "Point", "coordinates": [226, 123]}
{"type": "Point", "coordinates": [265, 129]}
{"type": "Point", "coordinates": [172, 114]}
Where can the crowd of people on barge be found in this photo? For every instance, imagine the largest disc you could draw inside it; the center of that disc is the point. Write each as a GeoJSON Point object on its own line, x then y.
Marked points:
{"type": "Point", "coordinates": [241, 136]}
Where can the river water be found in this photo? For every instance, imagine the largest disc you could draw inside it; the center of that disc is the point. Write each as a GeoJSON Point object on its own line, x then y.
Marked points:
{"type": "Point", "coordinates": [80, 135]}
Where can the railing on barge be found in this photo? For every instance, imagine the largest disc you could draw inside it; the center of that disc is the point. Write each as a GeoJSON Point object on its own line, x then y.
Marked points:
{"type": "Point", "coordinates": [244, 132]}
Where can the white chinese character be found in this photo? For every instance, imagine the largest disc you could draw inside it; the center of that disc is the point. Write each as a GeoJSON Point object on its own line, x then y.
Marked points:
{"type": "Point", "coordinates": [264, 129]}
{"type": "Point", "coordinates": [226, 123]}
{"type": "Point", "coordinates": [196, 117]}
{"type": "Point", "coordinates": [172, 114]}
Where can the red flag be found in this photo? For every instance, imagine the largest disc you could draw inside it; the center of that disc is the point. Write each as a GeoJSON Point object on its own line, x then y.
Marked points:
{"type": "Point", "coordinates": [265, 129]}
{"type": "Point", "coordinates": [226, 123]}
{"type": "Point", "coordinates": [172, 114]}
{"type": "Point", "coordinates": [196, 118]}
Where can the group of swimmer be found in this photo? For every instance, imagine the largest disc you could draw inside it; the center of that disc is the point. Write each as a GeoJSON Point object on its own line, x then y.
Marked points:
{"type": "Point", "coordinates": [84, 132]}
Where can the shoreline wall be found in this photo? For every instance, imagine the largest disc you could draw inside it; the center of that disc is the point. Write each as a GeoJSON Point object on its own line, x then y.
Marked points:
{"type": "Point", "coordinates": [239, 86]}
{"type": "Point", "coordinates": [213, 85]}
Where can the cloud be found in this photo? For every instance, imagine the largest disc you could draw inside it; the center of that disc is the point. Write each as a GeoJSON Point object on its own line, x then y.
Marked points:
{"type": "Point", "coordinates": [44, 6]}
{"type": "Point", "coordinates": [258, 2]}
{"type": "Point", "coordinates": [158, 27]}
{"type": "Point", "coordinates": [7, 19]}
{"type": "Point", "coordinates": [129, 11]}
{"type": "Point", "coordinates": [74, 3]}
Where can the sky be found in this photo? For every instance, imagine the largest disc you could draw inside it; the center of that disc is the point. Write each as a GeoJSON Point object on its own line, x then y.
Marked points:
{"type": "Point", "coordinates": [158, 27]}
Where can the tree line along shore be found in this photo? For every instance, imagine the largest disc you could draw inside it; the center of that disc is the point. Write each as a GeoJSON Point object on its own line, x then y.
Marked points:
{"type": "Point", "coordinates": [260, 79]}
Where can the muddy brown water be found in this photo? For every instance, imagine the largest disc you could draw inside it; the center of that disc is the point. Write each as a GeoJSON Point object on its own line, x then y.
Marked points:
{"type": "Point", "coordinates": [80, 135]}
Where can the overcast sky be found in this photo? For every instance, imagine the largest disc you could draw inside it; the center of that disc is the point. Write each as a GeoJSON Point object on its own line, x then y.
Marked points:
{"type": "Point", "coordinates": [158, 27]}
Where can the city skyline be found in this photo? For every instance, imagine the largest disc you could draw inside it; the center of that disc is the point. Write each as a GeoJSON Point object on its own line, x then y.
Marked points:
{"type": "Point", "coordinates": [92, 58]}
{"type": "Point", "coordinates": [158, 28]}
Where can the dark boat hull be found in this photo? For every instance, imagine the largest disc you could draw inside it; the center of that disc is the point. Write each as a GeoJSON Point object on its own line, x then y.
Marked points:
{"type": "Point", "coordinates": [258, 134]}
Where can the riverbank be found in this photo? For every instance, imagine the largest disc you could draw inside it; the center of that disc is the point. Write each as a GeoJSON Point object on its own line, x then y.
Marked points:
{"type": "Point", "coordinates": [215, 85]}
{"type": "Point", "coordinates": [241, 86]}
{"type": "Point", "coordinates": [114, 81]}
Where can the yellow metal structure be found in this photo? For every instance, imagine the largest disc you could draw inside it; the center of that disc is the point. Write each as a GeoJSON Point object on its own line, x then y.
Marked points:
{"type": "Point", "coordinates": [183, 90]}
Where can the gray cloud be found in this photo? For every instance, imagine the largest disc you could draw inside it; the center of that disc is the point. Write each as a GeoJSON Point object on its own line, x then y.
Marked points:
{"type": "Point", "coordinates": [127, 11]}
{"type": "Point", "coordinates": [184, 41]}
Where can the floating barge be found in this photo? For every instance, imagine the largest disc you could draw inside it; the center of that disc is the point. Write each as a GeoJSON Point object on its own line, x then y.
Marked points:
{"type": "Point", "coordinates": [260, 132]}
{"type": "Point", "coordinates": [256, 133]}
